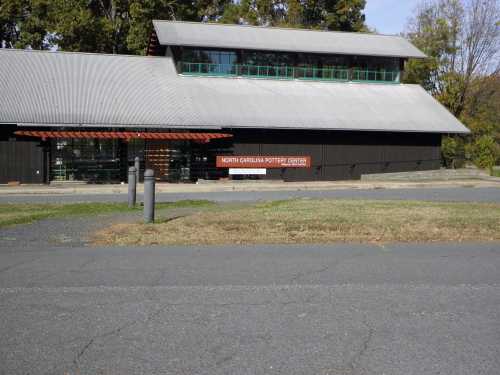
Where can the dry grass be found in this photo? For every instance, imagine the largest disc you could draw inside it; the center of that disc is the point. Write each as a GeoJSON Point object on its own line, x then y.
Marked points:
{"type": "Point", "coordinates": [317, 221]}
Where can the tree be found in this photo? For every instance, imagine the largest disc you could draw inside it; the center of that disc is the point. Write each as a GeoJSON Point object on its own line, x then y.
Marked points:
{"type": "Point", "coordinates": [453, 152]}
{"type": "Point", "coordinates": [11, 13]}
{"type": "Point", "coordinates": [124, 26]}
{"type": "Point", "coordinates": [482, 113]}
{"type": "Point", "coordinates": [211, 10]}
{"type": "Point", "coordinates": [232, 14]}
{"type": "Point", "coordinates": [142, 12]}
{"type": "Point", "coordinates": [462, 40]}
{"type": "Point", "coordinates": [294, 14]}
{"type": "Point", "coordinates": [343, 15]}
{"type": "Point", "coordinates": [23, 24]}
{"type": "Point", "coordinates": [109, 26]}
{"type": "Point", "coordinates": [484, 151]}
{"type": "Point", "coordinates": [90, 25]}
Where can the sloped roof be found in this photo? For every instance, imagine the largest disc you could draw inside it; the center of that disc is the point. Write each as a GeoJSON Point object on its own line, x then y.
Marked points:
{"type": "Point", "coordinates": [71, 89]}
{"type": "Point", "coordinates": [279, 39]}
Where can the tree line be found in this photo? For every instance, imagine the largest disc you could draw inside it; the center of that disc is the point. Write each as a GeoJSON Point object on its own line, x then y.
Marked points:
{"type": "Point", "coordinates": [124, 26]}
{"type": "Point", "coordinates": [462, 71]}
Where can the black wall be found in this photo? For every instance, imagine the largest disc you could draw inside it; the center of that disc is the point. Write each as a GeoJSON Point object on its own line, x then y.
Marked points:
{"type": "Point", "coordinates": [341, 155]}
{"type": "Point", "coordinates": [336, 155]}
{"type": "Point", "coordinates": [21, 159]}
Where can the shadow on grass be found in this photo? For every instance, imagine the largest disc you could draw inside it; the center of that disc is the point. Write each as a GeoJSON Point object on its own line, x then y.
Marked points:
{"type": "Point", "coordinates": [13, 214]}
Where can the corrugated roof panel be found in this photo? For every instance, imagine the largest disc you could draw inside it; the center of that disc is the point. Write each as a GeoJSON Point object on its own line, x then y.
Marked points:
{"type": "Point", "coordinates": [76, 88]}
{"type": "Point", "coordinates": [47, 88]}
{"type": "Point", "coordinates": [279, 39]}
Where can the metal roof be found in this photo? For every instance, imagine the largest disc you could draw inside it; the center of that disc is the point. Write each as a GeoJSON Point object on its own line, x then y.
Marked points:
{"type": "Point", "coordinates": [71, 89]}
{"type": "Point", "coordinates": [279, 39]}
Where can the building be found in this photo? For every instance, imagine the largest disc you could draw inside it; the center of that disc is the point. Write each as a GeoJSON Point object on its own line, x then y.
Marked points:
{"type": "Point", "coordinates": [212, 100]}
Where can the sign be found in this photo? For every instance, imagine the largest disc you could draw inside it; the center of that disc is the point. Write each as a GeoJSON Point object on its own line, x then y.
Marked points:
{"type": "Point", "coordinates": [263, 162]}
{"type": "Point", "coordinates": [247, 171]}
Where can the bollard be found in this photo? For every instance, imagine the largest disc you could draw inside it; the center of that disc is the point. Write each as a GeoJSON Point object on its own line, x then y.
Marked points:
{"type": "Point", "coordinates": [149, 196]}
{"type": "Point", "coordinates": [132, 187]}
{"type": "Point", "coordinates": [137, 165]}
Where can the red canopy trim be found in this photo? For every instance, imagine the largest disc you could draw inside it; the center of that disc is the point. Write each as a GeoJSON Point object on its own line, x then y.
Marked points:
{"type": "Point", "coordinates": [198, 137]}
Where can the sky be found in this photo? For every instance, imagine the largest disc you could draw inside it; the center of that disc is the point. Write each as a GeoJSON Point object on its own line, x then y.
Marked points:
{"type": "Point", "coordinates": [389, 16]}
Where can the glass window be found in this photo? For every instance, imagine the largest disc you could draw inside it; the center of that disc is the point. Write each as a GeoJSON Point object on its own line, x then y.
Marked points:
{"type": "Point", "coordinates": [291, 64]}
{"type": "Point", "coordinates": [85, 160]}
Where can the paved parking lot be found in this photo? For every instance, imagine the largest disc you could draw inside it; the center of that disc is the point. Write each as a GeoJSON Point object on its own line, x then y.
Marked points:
{"type": "Point", "coordinates": [69, 308]}
{"type": "Point", "coordinates": [350, 309]}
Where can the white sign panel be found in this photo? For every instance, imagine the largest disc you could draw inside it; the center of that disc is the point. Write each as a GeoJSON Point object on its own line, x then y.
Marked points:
{"type": "Point", "coordinates": [247, 171]}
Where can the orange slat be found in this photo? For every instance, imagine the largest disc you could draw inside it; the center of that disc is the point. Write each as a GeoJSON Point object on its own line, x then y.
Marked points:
{"type": "Point", "coordinates": [202, 137]}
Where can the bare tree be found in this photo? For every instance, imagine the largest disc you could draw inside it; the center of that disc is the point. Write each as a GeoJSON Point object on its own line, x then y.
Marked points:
{"type": "Point", "coordinates": [481, 47]}
{"type": "Point", "coordinates": [462, 37]}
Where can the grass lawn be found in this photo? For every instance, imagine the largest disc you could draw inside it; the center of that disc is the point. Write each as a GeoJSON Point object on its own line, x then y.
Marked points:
{"type": "Point", "coordinates": [316, 221]}
{"type": "Point", "coordinates": [11, 214]}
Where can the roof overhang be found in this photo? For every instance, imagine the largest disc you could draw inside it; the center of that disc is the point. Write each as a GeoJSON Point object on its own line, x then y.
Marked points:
{"type": "Point", "coordinates": [210, 35]}
{"type": "Point", "coordinates": [46, 89]}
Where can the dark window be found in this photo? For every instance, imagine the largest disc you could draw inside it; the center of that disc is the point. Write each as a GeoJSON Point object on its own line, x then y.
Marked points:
{"type": "Point", "coordinates": [289, 65]}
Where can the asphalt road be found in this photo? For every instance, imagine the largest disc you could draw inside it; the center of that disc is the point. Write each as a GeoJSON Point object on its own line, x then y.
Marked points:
{"type": "Point", "coordinates": [351, 309]}
{"type": "Point", "coordinates": [429, 194]}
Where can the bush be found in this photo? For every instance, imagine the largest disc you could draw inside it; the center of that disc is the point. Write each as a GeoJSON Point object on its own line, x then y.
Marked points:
{"type": "Point", "coordinates": [453, 152]}
{"type": "Point", "coordinates": [484, 151]}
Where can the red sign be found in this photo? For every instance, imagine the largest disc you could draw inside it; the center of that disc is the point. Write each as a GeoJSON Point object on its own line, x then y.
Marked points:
{"type": "Point", "coordinates": [263, 161]}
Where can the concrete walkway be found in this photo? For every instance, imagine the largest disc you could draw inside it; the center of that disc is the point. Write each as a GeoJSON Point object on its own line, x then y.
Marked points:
{"type": "Point", "coordinates": [442, 194]}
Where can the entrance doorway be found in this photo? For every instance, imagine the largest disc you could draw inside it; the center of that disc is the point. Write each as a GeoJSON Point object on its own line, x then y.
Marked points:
{"type": "Point", "coordinates": [170, 160]}
{"type": "Point", "coordinates": [184, 161]}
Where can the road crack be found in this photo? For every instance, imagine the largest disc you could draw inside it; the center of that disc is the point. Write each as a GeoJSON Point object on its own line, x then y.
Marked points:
{"type": "Point", "coordinates": [5, 269]}
{"type": "Point", "coordinates": [295, 278]}
{"type": "Point", "coordinates": [354, 361]}
{"type": "Point", "coordinates": [115, 331]}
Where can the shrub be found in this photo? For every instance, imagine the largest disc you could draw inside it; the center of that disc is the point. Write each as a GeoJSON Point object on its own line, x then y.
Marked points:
{"type": "Point", "coordinates": [453, 153]}
{"type": "Point", "coordinates": [484, 151]}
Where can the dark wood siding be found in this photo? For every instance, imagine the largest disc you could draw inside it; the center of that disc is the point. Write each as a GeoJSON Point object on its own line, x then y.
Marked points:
{"type": "Point", "coordinates": [20, 159]}
{"type": "Point", "coordinates": [336, 155]}
{"type": "Point", "coordinates": [342, 155]}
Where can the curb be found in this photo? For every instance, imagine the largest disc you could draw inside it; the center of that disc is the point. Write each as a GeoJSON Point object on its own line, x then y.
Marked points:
{"type": "Point", "coordinates": [230, 187]}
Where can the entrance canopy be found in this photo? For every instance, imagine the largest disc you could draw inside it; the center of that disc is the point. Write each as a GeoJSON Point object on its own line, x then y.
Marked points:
{"type": "Point", "coordinates": [197, 137]}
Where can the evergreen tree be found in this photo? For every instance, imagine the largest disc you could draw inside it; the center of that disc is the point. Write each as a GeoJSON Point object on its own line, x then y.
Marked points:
{"type": "Point", "coordinates": [90, 26]}
{"type": "Point", "coordinates": [24, 24]}
{"type": "Point", "coordinates": [142, 12]}
{"type": "Point", "coordinates": [124, 26]}
{"type": "Point", "coordinates": [343, 15]}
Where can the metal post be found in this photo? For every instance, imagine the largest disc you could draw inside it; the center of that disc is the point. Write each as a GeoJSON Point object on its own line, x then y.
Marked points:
{"type": "Point", "coordinates": [149, 196]}
{"type": "Point", "coordinates": [132, 187]}
{"type": "Point", "coordinates": [137, 165]}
